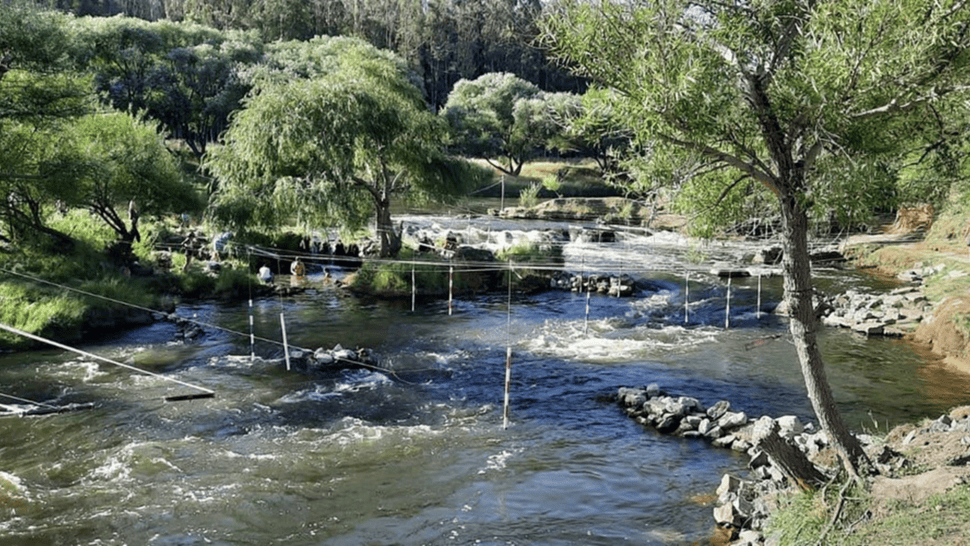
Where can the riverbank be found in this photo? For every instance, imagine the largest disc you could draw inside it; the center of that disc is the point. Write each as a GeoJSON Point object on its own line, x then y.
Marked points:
{"type": "Point", "coordinates": [920, 494]}
{"type": "Point", "coordinates": [933, 252]}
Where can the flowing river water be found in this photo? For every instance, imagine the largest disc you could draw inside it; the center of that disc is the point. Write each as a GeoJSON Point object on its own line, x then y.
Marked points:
{"type": "Point", "coordinates": [420, 456]}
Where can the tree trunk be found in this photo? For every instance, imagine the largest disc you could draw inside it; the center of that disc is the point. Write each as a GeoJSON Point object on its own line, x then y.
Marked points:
{"type": "Point", "coordinates": [792, 462]}
{"type": "Point", "coordinates": [804, 326]}
{"type": "Point", "coordinates": [390, 239]}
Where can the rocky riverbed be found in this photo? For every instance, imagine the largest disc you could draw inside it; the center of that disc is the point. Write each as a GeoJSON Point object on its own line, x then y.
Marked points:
{"type": "Point", "coordinates": [914, 462]}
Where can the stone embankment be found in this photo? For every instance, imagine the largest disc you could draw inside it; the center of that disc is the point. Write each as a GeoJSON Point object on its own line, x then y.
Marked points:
{"type": "Point", "coordinates": [742, 505]}
{"type": "Point", "coordinates": [893, 314]}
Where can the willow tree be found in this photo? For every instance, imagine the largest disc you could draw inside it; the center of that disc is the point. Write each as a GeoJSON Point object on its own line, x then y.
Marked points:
{"type": "Point", "coordinates": [332, 148]}
{"type": "Point", "coordinates": [778, 92]}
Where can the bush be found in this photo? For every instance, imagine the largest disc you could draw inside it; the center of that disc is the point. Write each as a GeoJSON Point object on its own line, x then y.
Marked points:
{"type": "Point", "coordinates": [529, 196]}
{"type": "Point", "coordinates": [532, 253]}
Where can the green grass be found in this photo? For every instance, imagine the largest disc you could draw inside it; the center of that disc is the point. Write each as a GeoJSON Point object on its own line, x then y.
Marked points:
{"type": "Point", "coordinates": [574, 179]}
{"type": "Point", "coordinates": [394, 278]}
{"type": "Point", "coordinates": [528, 252]}
{"type": "Point", "coordinates": [40, 311]}
{"type": "Point", "coordinates": [940, 518]}
{"type": "Point", "coordinates": [802, 517]}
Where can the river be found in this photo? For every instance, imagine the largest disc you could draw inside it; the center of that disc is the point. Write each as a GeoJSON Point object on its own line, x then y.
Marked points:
{"type": "Point", "coordinates": [420, 455]}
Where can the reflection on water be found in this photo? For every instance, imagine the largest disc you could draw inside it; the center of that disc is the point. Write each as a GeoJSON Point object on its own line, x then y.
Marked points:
{"type": "Point", "coordinates": [420, 456]}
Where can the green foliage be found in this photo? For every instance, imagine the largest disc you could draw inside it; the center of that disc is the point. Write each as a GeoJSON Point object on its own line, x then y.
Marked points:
{"type": "Point", "coordinates": [529, 252]}
{"type": "Point", "coordinates": [552, 183]}
{"type": "Point", "coordinates": [184, 75]}
{"type": "Point", "coordinates": [482, 115]}
{"type": "Point", "coordinates": [111, 160]}
{"type": "Point", "coordinates": [803, 517]}
{"type": "Point", "coordinates": [331, 149]}
{"type": "Point", "coordinates": [529, 196]}
{"type": "Point", "coordinates": [44, 312]}
{"type": "Point", "coordinates": [721, 87]}
{"type": "Point", "coordinates": [393, 278]}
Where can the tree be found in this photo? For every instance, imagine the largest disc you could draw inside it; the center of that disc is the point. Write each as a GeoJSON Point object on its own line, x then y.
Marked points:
{"type": "Point", "coordinates": [184, 75]}
{"type": "Point", "coordinates": [118, 167]}
{"type": "Point", "coordinates": [482, 117]}
{"type": "Point", "coordinates": [39, 92]}
{"type": "Point", "coordinates": [334, 147]}
{"type": "Point", "coordinates": [589, 125]}
{"type": "Point", "coordinates": [782, 93]}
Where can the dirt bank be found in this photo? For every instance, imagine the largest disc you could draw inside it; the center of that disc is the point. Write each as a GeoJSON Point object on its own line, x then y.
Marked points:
{"type": "Point", "coordinates": [917, 240]}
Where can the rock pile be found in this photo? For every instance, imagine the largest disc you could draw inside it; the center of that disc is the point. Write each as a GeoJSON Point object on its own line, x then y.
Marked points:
{"type": "Point", "coordinates": [332, 359]}
{"type": "Point", "coordinates": [618, 286]}
{"type": "Point", "coordinates": [743, 505]}
{"type": "Point", "coordinates": [893, 314]}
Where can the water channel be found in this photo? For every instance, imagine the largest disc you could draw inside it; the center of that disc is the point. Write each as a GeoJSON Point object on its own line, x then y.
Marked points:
{"type": "Point", "coordinates": [420, 456]}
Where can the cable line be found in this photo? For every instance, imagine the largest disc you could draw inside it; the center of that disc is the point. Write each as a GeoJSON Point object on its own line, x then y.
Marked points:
{"type": "Point", "coordinates": [207, 392]}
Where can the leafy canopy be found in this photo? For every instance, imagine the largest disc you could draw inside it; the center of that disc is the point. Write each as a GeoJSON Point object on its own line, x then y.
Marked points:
{"type": "Point", "coordinates": [329, 148]}
{"type": "Point", "coordinates": [818, 99]}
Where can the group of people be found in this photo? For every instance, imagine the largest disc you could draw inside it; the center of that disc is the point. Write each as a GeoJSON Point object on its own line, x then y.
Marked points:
{"type": "Point", "coordinates": [297, 270]}
{"type": "Point", "coordinates": [193, 244]}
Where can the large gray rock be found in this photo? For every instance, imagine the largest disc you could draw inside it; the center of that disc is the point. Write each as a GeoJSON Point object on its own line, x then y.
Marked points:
{"type": "Point", "coordinates": [718, 409]}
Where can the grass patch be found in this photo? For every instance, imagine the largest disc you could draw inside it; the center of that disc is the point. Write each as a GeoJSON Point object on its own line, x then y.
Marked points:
{"type": "Point", "coordinates": [393, 279]}
{"type": "Point", "coordinates": [38, 310]}
{"type": "Point", "coordinates": [527, 252]}
{"type": "Point", "coordinates": [803, 517]}
{"type": "Point", "coordinates": [573, 179]}
{"type": "Point", "coordinates": [941, 518]}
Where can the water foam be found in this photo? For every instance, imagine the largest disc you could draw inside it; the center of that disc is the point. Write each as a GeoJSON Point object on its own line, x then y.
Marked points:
{"type": "Point", "coordinates": [610, 341]}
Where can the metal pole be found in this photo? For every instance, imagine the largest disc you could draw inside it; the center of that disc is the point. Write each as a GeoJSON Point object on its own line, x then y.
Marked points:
{"type": "Point", "coordinates": [286, 347]}
{"type": "Point", "coordinates": [727, 308]}
{"type": "Point", "coordinates": [508, 357]}
{"type": "Point", "coordinates": [451, 282]}
{"type": "Point", "coordinates": [252, 335]}
{"type": "Point", "coordinates": [758, 312]}
{"type": "Point", "coordinates": [686, 296]}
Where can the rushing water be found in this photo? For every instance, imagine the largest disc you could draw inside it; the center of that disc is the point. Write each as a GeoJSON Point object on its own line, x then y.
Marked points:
{"type": "Point", "coordinates": [420, 456]}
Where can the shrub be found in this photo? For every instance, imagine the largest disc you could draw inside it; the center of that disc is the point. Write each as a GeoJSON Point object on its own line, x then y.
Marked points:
{"type": "Point", "coordinates": [529, 196]}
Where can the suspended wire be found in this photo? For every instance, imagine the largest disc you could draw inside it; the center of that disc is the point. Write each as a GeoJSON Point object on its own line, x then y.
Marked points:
{"type": "Point", "coordinates": [24, 400]}
{"type": "Point", "coordinates": [28, 335]}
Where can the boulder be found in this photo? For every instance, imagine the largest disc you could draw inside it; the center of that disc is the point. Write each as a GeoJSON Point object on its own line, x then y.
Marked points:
{"type": "Point", "coordinates": [789, 426]}
{"type": "Point", "coordinates": [718, 409]}
{"type": "Point", "coordinates": [732, 420]}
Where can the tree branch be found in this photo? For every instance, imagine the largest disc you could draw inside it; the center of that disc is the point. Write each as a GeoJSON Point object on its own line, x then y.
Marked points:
{"type": "Point", "coordinates": [748, 168]}
{"type": "Point", "coordinates": [895, 106]}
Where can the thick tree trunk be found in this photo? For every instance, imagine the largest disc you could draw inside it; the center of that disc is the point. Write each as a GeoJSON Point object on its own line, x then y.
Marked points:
{"type": "Point", "coordinates": [390, 239]}
{"type": "Point", "coordinates": [804, 326]}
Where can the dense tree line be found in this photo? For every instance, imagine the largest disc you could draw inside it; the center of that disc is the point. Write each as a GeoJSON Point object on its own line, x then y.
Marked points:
{"type": "Point", "coordinates": [443, 41]}
{"type": "Point", "coordinates": [199, 85]}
